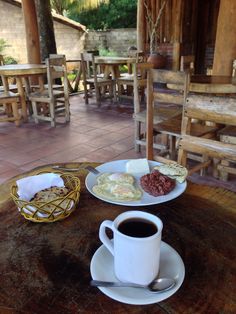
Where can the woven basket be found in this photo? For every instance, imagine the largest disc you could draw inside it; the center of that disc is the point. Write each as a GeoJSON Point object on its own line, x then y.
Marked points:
{"type": "Point", "coordinates": [56, 209]}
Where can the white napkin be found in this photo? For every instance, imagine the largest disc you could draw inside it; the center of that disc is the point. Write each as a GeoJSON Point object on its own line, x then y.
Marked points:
{"type": "Point", "coordinates": [29, 186]}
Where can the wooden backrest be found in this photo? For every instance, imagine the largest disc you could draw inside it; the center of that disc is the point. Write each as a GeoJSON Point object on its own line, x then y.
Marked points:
{"type": "Point", "coordinates": [56, 68]}
{"type": "Point", "coordinates": [140, 80]}
{"type": "Point", "coordinates": [187, 63]}
{"type": "Point", "coordinates": [158, 90]}
{"type": "Point", "coordinates": [89, 67]}
{"type": "Point", "coordinates": [217, 109]}
{"type": "Point", "coordinates": [170, 86]}
{"type": "Point", "coordinates": [213, 88]}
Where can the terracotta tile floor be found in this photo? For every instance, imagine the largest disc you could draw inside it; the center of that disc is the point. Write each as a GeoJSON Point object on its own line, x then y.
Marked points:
{"type": "Point", "coordinates": [94, 134]}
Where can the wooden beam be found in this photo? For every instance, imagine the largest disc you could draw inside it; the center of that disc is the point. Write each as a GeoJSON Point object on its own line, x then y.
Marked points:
{"type": "Point", "coordinates": [176, 31]}
{"type": "Point", "coordinates": [225, 46]}
{"type": "Point", "coordinates": [31, 31]}
{"type": "Point", "coordinates": [141, 26]}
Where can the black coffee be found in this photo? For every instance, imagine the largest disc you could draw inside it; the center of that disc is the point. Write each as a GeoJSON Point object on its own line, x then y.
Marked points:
{"type": "Point", "coordinates": [137, 228]}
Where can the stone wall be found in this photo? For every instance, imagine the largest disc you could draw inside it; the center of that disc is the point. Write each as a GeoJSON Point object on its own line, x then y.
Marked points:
{"type": "Point", "coordinates": [69, 41]}
{"type": "Point", "coordinates": [117, 40]}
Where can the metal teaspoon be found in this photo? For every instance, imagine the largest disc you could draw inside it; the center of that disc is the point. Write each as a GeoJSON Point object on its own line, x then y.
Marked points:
{"type": "Point", "coordinates": [156, 286]}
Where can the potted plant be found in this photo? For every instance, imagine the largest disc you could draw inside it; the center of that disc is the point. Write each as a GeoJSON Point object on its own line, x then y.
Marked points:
{"type": "Point", "coordinates": [158, 60]}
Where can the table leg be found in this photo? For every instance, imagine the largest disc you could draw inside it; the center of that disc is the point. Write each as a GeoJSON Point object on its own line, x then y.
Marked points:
{"type": "Point", "coordinates": [22, 98]}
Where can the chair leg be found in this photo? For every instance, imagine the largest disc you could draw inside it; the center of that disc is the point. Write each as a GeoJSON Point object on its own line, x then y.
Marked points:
{"type": "Point", "coordinates": [16, 114]}
{"type": "Point", "coordinates": [137, 135]}
{"type": "Point", "coordinates": [224, 174]}
{"type": "Point", "coordinates": [111, 93]}
{"type": "Point", "coordinates": [52, 113]}
{"type": "Point", "coordinates": [182, 157]}
{"type": "Point", "coordinates": [172, 144]}
{"type": "Point", "coordinates": [98, 98]}
{"type": "Point", "coordinates": [35, 112]}
{"type": "Point", "coordinates": [86, 94]}
{"type": "Point", "coordinates": [67, 110]}
{"type": "Point", "coordinates": [113, 87]}
{"type": "Point", "coordinates": [203, 170]}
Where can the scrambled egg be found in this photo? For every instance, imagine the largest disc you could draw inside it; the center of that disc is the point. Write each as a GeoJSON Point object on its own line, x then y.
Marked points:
{"type": "Point", "coordinates": [117, 186]}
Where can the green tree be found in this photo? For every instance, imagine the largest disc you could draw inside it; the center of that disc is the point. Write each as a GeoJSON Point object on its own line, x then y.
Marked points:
{"type": "Point", "coordinates": [111, 14]}
{"type": "Point", "coordinates": [63, 7]}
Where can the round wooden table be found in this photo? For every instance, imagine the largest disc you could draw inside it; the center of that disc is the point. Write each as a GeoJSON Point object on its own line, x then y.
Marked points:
{"type": "Point", "coordinates": [112, 64]}
{"type": "Point", "coordinates": [45, 268]}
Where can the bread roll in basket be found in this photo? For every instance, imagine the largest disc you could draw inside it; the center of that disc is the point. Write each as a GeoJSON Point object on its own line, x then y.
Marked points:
{"type": "Point", "coordinates": [54, 209]}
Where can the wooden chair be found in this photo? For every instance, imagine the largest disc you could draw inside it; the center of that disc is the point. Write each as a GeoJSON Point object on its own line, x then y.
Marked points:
{"type": "Point", "coordinates": [56, 84]}
{"type": "Point", "coordinates": [187, 63]}
{"type": "Point", "coordinates": [9, 107]}
{"type": "Point", "coordinates": [166, 93]}
{"type": "Point", "coordinates": [50, 103]}
{"type": "Point", "coordinates": [216, 109]}
{"type": "Point", "coordinates": [125, 83]}
{"type": "Point", "coordinates": [171, 127]}
{"type": "Point", "coordinates": [95, 81]}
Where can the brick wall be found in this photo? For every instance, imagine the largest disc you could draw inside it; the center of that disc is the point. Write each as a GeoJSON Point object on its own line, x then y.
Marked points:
{"type": "Point", "coordinates": [69, 41]}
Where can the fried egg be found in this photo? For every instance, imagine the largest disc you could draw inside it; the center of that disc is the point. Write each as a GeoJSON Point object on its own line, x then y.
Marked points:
{"type": "Point", "coordinates": [117, 186]}
{"type": "Point", "coordinates": [117, 177]}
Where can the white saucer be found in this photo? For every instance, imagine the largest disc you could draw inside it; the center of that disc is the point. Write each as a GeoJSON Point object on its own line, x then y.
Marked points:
{"type": "Point", "coordinates": [171, 265]}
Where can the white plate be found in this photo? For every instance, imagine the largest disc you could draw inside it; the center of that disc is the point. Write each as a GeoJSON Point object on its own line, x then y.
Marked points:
{"type": "Point", "coordinates": [147, 199]}
{"type": "Point", "coordinates": [171, 265]}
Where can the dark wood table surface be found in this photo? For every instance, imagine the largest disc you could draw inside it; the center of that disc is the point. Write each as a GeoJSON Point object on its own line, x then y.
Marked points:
{"type": "Point", "coordinates": [44, 268]}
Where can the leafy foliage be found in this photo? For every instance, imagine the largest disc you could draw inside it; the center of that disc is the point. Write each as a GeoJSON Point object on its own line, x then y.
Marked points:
{"type": "Point", "coordinates": [7, 59]}
{"type": "Point", "coordinates": [3, 45]}
{"type": "Point", "coordinates": [64, 6]}
{"type": "Point", "coordinates": [106, 52]}
{"type": "Point", "coordinates": [112, 14]}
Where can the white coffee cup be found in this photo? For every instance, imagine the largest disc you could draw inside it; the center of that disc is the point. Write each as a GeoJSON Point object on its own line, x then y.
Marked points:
{"type": "Point", "coordinates": [136, 259]}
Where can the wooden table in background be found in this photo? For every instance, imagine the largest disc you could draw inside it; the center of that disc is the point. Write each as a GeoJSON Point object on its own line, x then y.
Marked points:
{"type": "Point", "coordinates": [20, 71]}
{"type": "Point", "coordinates": [112, 64]}
{"type": "Point", "coordinates": [44, 268]}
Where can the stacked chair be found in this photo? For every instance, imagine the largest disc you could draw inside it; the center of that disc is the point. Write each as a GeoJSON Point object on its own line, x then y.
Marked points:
{"type": "Point", "coordinates": [202, 117]}
{"type": "Point", "coordinates": [48, 102]}
{"type": "Point", "coordinates": [95, 82]}
{"type": "Point", "coordinates": [216, 109]}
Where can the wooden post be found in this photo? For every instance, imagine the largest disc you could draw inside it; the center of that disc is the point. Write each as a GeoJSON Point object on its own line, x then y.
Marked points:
{"type": "Point", "coordinates": [31, 30]}
{"type": "Point", "coordinates": [141, 26]}
{"type": "Point", "coordinates": [225, 46]}
{"type": "Point", "coordinates": [176, 31]}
